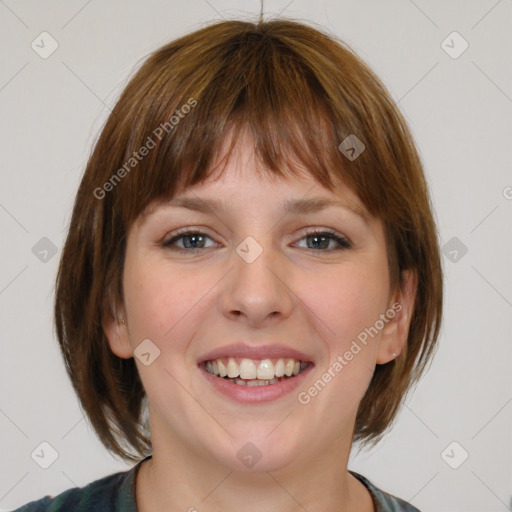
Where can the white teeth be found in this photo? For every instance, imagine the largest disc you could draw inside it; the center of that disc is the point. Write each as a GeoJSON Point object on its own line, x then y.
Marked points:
{"type": "Point", "coordinates": [248, 370]}
{"type": "Point", "coordinates": [253, 383]}
{"type": "Point", "coordinates": [232, 368]}
{"type": "Point", "coordinates": [222, 368]}
{"type": "Point", "coordinates": [265, 369]}
{"type": "Point", "coordinates": [288, 369]}
{"type": "Point", "coordinates": [279, 369]}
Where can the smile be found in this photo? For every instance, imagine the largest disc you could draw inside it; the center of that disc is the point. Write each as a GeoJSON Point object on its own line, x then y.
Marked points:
{"type": "Point", "coordinates": [251, 373]}
{"type": "Point", "coordinates": [255, 374]}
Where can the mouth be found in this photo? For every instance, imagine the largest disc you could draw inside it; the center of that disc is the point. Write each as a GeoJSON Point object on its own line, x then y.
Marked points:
{"type": "Point", "coordinates": [248, 374]}
{"type": "Point", "coordinates": [252, 373]}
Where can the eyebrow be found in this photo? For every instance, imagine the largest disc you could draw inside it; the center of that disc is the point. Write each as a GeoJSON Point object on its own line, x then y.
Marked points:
{"type": "Point", "coordinates": [297, 206]}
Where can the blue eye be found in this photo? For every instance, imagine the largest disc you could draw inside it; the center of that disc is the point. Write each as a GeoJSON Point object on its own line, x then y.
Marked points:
{"type": "Point", "coordinates": [195, 240]}
{"type": "Point", "coordinates": [320, 237]}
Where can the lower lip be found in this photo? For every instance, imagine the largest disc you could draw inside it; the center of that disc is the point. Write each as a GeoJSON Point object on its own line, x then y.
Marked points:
{"type": "Point", "coordinates": [255, 394]}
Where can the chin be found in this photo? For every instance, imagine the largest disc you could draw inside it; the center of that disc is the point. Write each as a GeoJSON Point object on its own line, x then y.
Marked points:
{"type": "Point", "coordinates": [254, 450]}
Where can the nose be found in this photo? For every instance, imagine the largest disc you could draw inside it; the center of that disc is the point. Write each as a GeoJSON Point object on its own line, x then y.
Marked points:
{"type": "Point", "coordinates": [258, 290]}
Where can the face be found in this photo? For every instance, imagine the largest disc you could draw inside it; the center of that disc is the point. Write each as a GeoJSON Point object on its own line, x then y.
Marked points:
{"type": "Point", "coordinates": [254, 290]}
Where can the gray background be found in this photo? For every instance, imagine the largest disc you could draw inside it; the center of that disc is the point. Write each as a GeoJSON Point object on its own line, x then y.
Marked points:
{"type": "Point", "coordinates": [459, 110]}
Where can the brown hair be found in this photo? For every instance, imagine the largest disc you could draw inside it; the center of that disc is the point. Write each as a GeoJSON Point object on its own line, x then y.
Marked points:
{"type": "Point", "coordinates": [300, 93]}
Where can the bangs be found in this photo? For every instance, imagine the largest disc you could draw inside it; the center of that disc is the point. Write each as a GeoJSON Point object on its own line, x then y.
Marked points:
{"type": "Point", "coordinates": [257, 86]}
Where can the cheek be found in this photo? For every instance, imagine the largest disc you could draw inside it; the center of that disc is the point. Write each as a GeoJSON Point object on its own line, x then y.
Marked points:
{"type": "Point", "coordinates": [347, 302]}
{"type": "Point", "coordinates": [167, 311]}
{"type": "Point", "coordinates": [160, 305]}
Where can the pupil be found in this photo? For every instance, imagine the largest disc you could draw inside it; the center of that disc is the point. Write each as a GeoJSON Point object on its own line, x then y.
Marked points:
{"type": "Point", "coordinates": [190, 237]}
{"type": "Point", "coordinates": [316, 238]}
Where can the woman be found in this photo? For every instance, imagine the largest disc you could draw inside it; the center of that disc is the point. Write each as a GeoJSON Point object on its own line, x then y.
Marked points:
{"type": "Point", "coordinates": [252, 261]}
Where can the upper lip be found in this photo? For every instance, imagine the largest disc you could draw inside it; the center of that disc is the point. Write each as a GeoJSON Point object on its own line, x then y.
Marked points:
{"type": "Point", "coordinates": [259, 352]}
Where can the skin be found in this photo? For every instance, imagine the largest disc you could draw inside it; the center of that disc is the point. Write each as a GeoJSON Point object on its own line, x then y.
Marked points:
{"type": "Point", "coordinates": [316, 300]}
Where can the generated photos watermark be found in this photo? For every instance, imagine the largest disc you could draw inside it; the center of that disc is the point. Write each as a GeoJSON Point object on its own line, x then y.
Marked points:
{"type": "Point", "coordinates": [143, 151]}
{"type": "Point", "coordinates": [304, 397]}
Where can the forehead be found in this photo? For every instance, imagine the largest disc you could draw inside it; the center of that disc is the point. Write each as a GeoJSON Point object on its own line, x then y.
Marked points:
{"type": "Point", "coordinates": [237, 174]}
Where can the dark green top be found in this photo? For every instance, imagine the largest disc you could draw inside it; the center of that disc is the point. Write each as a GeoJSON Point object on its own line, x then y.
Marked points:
{"type": "Point", "coordinates": [116, 493]}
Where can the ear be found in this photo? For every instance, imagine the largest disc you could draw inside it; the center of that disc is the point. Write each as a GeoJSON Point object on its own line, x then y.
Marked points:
{"type": "Point", "coordinates": [116, 333]}
{"type": "Point", "coordinates": [393, 338]}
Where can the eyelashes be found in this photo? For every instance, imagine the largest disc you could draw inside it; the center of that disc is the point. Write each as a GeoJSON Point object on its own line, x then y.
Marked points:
{"type": "Point", "coordinates": [329, 235]}
{"type": "Point", "coordinates": [321, 240]}
{"type": "Point", "coordinates": [188, 234]}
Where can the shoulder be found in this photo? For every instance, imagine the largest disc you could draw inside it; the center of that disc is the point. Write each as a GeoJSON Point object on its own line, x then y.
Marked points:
{"type": "Point", "coordinates": [113, 493]}
{"type": "Point", "coordinates": [383, 501]}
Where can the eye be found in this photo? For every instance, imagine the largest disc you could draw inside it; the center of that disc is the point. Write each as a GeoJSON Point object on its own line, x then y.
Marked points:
{"type": "Point", "coordinates": [322, 238]}
{"type": "Point", "coordinates": [195, 240]}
